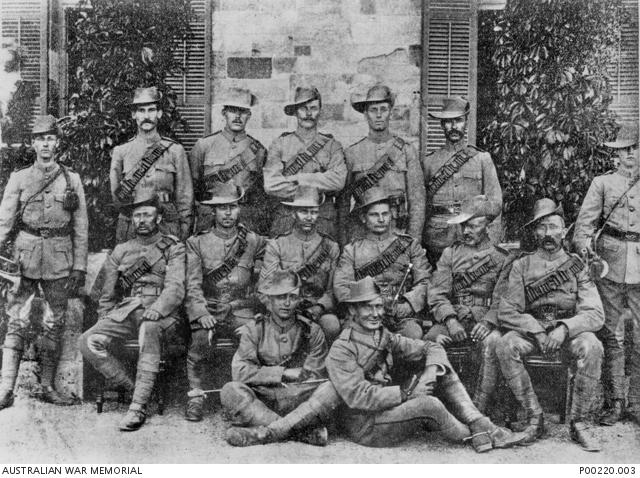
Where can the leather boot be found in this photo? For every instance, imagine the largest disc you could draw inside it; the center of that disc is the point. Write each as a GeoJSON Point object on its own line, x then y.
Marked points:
{"type": "Point", "coordinates": [586, 436]}
{"type": "Point", "coordinates": [193, 412]}
{"type": "Point", "coordinates": [316, 436]}
{"type": "Point", "coordinates": [486, 436]}
{"type": "Point", "coordinates": [535, 428]}
{"type": "Point", "coordinates": [145, 380]}
{"type": "Point", "coordinates": [10, 365]}
{"type": "Point", "coordinates": [633, 413]}
{"type": "Point", "coordinates": [612, 415]}
{"type": "Point", "coordinates": [241, 436]}
{"type": "Point", "coordinates": [134, 419]}
{"type": "Point", "coordinates": [50, 395]}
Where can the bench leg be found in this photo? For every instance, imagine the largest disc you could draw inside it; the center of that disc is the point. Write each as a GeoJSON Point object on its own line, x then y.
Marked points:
{"type": "Point", "coordinates": [100, 385]}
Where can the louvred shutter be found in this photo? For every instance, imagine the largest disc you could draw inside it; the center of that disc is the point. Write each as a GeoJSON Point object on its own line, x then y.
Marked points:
{"type": "Point", "coordinates": [624, 70]}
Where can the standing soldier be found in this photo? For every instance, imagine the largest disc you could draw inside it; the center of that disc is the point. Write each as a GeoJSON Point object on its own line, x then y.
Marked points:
{"type": "Point", "coordinates": [220, 276]}
{"type": "Point", "coordinates": [279, 387]}
{"type": "Point", "coordinates": [149, 163]}
{"type": "Point", "coordinates": [550, 305]}
{"type": "Point", "coordinates": [232, 155]}
{"type": "Point", "coordinates": [312, 255]}
{"type": "Point", "coordinates": [386, 161]}
{"type": "Point", "coordinates": [609, 225]}
{"type": "Point", "coordinates": [45, 203]}
{"type": "Point", "coordinates": [462, 293]}
{"type": "Point", "coordinates": [452, 174]}
{"type": "Point", "coordinates": [143, 287]}
{"type": "Point", "coordinates": [396, 262]}
{"type": "Point", "coordinates": [305, 157]}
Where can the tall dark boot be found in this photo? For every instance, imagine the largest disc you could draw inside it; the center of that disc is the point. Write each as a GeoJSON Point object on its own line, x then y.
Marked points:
{"type": "Point", "coordinates": [10, 365]}
{"type": "Point", "coordinates": [48, 365]}
{"type": "Point", "coordinates": [613, 413]}
{"type": "Point", "coordinates": [523, 391]}
{"type": "Point", "coordinates": [136, 416]}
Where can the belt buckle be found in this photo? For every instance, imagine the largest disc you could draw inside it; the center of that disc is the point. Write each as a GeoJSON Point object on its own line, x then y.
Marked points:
{"type": "Point", "coordinates": [631, 236]}
{"type": "Point", "coordinates": [465, 299]}
{"type": "Point", "coordinates": [547, 313]}
{"type": "Point", "coordinates": [455, 209]}
{"type": "Point", "coordinates": [45, 232]}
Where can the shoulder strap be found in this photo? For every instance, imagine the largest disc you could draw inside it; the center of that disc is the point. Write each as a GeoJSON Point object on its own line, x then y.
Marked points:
{"type": "Point", "coordinates": [46, 185]}
{"type": "Point", "coordinates": [296, 164]}
{"type": "Point", "coordinates": [238, 163]}
{"type": "Point", "coordinates": [129, 183]}
{"type": "Point", "coordinates": [378, 265]}
{"type": "Point", "coordinates": [231, 260]}
{"type": "Point", "coordinates": [553, 280]}
{"type": "Point", "coordinates": [448, 169]}
{"type": "Point", "coordinates": [144, 263]}
{"type": "Point", "coordinates": [467, 278]}
{"type": "Point", "coordinates": [317, 258]}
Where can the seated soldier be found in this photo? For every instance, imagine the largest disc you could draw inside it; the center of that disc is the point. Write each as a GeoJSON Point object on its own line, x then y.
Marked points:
{"type": "Point", "coordinates": [279, 387]}
{"type": "Point", "coordinates": [313, 255]}
{"type": "Point", "coordinates": [220, 278]}
{"type": "Point", "coordinates": [378, 413]}
{"type": "Point", "coordinates": [552, 305]}
{"type": "Point", "coordinates": [397, 263]}
{"type": "Point", "coordinates": [461, 290]}
{"type": "Point", "coordinates": [143, 288]}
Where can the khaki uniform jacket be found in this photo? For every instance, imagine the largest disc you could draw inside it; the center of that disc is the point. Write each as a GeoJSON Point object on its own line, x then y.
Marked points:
{"type": "Point", "coordinates": [362, 251]}
{"type": "Point", "coordinates": [358, 366]}
{"type": "Point", "coordinates": [39, 257]}
{"type": "Point", "coordinates": [292, 251]}
{"type": "Point", "coordinates": [622, 256]}
{"type": "Point", "coordinates": [160, 289]}
{"type": "Point", "coordinates": [169, 177]}
{"type": "Point", "coordinates": [460, 258]}
{"type": "Point", "coordinates": [207, 251]}
{"type": "Point", "coordinates": [477, 176]}
{"type": "Point", "coordinates": [215, 152]}
{"type": "Point", "coordinates": [266, 349]}
{"type": "Point", "coordinates": [578, 295]}
{"type": "Point", "coordinates": [405, 179]}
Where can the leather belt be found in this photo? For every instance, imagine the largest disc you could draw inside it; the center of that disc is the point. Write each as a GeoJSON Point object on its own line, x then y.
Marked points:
{"type": "Point", "coordinates": [451, 208]}
{"type": "Point", "coordinates": [549, 314]}
{"type": "Point", "coordinates": [145, 290]}
{"type": "Point", "coordinates": [47, 232]}
{"type": "Point", "coordinates": [470, 299]}
{"type": "Point", "coordinates": [622, 235]}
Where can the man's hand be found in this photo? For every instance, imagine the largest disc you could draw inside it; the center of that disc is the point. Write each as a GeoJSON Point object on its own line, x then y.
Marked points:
{"type": "Point", "coordinates": [556, 338]}
{"type": "Point", "coordinates": [424, 388]}
{"type": "Point", "coordinates": [481, 331]}
{"type": "Point", "coordinates": [290, 188]}
{"type": "Point", "coordinates": [75, 282]}
{"type": "Point", "coordinates": [455, 328]}
{"type": "Point", "coordinates": [403, 309]}
{"type": "Point", "coordinates": [291, 374]}
{"type": "Point", "coordinates": [443, 340]}
{"type": "Point", "coordinates": [541, 338]}
{"type": "Point", "coordinates": [151, 315]}
{"type": "Point", "coordinates": [207, 322]}
{"type": "Point", "coordinates": [315, 311]}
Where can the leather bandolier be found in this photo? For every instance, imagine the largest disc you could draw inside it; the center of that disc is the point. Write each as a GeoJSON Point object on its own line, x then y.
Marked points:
{"type": "Point", "coordinates": [213, 276]}
{"type": "Point", "coordinates": [295, 165]}
{"type": "Point", "coordinates": [553, 280]}
{"type": "Point", "coordinates": [311, 267]}
{"type": "Point", "coordinates": [240, 163]}
{"type": "Point", "coordinates": [144, 264]}
{"type": "Point", "coordinates": [448, 169]}
{"type": "Point", "coordinates": [378, 265]}
{"type": "Point", "coordinates": [373, 176]}
{"type": "Point", "coordinates": [377, 366]}
{"type": "Point", "coordinates": [128, 184]}
{"type": "Point", "coordinates": [463, 280]}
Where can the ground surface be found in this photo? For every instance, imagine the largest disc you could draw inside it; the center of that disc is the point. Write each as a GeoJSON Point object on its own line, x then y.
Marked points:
{"type": "Point", "coordinates": [33, 432]}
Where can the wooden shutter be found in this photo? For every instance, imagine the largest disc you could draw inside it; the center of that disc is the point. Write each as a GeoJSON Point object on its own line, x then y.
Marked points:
{"type": "Point", "coordinates": [450, 39]}
{"type": "Point", "coordinates": [193, 85]}
{"type": "Point", "coordinates": [624, 70]}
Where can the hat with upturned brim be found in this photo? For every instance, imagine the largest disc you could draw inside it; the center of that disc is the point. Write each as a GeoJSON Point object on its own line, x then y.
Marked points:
{"type": "Point", "coordinates": [306, 196]}
{"type": "Point", "coordinates": [545, 207]}
{"type": "Point", "coordinates": [453, 107]}
{"type": "Point", "coordinates": [142, 198]}
{"type": "Point", "coordinates": [240, 98]}
{"type": "Point", "coordinates": [43, 124]}
{"type": "Point", "coordinates": [303, 95]}
{"type": "Point", "coordinates": [627, 136]}
{"type": "Point", "coordinates": [376, 94]}
{"type": "Point", "coordinates": [363, 290]}
{"type": "Point", "coordinates": [223, 193]}
{"type": "Point", "coordinates": [477, 206]}
{"type": "Point", "coordinates": [143, 96]}
{"type": "Point", "coordinates": [279, 283]}
{"type": "Point", "coordinates": [370, 197]}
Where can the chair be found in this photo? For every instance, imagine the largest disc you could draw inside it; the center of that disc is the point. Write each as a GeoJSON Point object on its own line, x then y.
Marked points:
{"type": "Point", "coordinates": [463, 360]}
{"type": "Point", "coordinates": [559, 367]}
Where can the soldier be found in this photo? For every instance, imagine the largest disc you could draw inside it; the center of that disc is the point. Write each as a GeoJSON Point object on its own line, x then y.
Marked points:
{"type": "Point", "coordinates": [609, 225]}
{"type": "Point", "coordinates": [143, 287]}
{"type": "Point", "coordinates": [305, 157]}
{"type": "Point", "coordinates": [462, 293]}
{"type": "Point", "coordinates": [232, 155]}
{"type": "Point", "coordinates": [220, 275]}
{"type": "Point", "coordinates": [279, 388]}
{"type": "Point", "coordinates": [384, 160]}
{"type": "Point", "coordinates": [551, 305]}
{"type": "Point", "coordinates": [452, 174]}
{"type": "Point", "coordinates": [378, 413]}
{"type": "Point", "coordinates": [46, 205]}
{"type": "Point", "coordinates": [151, 163]}
{"type": "Point", "coordinates": [313, 255]}
{"type": "Point", "coordinates": [397, 263]}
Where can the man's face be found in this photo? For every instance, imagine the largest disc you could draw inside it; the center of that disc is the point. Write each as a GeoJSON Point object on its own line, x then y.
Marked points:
{"type": "Point", "coordinates": [378, 115]}
{"type": "Point", "coordinates": [236, 118]}
{"type": "Point", "coordinates": [284, 305]}
{"type": "Point", "coordinates": [549, 232]}
{"type": "Point", "coordinates": [147, 117]}
{"type": "Point", "coordinates": [369, 315]}
{"type": "Point", "coordinates": [45, 145]}
{"type": "Point", "coordinates": [377, 219]}
{"type": "Point", "coordinates": [454, 128]}
{"type": "Point", "coordinates": [146, 220]}
{"type": "Point", "coordinates": [226, 214]}
{"type": "Point", "coordinates": [306, 218]}
{"type": "Point", "coordinates": [628, 157]}
{"type": "Point", "coordinates": [308, 114]}
{"type": "Point", "coordinates": [474, 231]}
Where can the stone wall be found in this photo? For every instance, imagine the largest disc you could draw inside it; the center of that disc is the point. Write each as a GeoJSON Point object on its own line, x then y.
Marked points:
{"type": "Point", "coordinates": [340, 46]}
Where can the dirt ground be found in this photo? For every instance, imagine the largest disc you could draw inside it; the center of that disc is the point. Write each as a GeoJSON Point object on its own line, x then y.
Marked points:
{"type": "Point", "coordinates": [34, 432]}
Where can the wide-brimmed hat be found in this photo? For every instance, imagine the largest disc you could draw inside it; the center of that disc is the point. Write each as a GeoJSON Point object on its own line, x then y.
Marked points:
{"type": "Point", "coordinates": [223, 193]}
{"type": "Point", "coordinates": [143, 96]}
{"type": "Point", "coordinates": [453, 107]}
{"type": "Point", "coordinates": [627, 136]}
{"type": "Point", "coordinates": [371, 196]}
{"type": "Point", "coordinates": [279, 283]}
{"type": "Point", "coordinates": [239, 98]}
{"type": "Point", "coordinates": [363, 290]}
{"type": "Point", "coordinates": [44, 124]}
{"type": "Point", "coordinates": [376, 94]}
{"type": "Point", "coordinates": [143, 197]}
{"type": "Point", "coordinates": [306, 196]}
{"type": "Point", "coordinates": [545, 207]}
{"type": "Point", "coordinates": [303, 95]}
{"type": "Point", "coordinates": [477, 206]}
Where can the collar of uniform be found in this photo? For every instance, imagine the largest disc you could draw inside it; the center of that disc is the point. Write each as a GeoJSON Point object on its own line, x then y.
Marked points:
{"type": "Point", "coordinates": [378, 237]}
{"type": "Point", "coordinates": [627, 173]}
{"type": "Point", "coordinates": [304, 236]}
{"type": "Point", "coordinates": [46, 168]}
{"type": "Point", "coordinates": [455, 147]}
{"type": "Point", "coordinates": [380, 137]}
{"type": "Point", "coordinates": [551, 256]}
{"type": "Point", "coordinates": [225, 233]}
{"type": "Point", "coordinates": [306, 135]}
{"type": "Point", "coordinates": [150, 138]}
{"type": "Point", "coordinates": [484, 244]}
{"type": "Point", "coordinates": [146, 240]}
{"type": "Point", "coordinates": [375, 335]}
{"type": "Point", "coordinates": [283, 325]}
{"type": "Point", "coordinates": [233, 137]}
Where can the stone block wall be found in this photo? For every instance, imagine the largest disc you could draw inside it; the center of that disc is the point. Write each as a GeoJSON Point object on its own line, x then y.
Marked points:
{"type": "Point", "coordinates": [340, 46]}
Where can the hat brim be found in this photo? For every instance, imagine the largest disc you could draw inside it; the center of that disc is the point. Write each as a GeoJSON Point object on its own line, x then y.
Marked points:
{"type": "Point", "coordinates": [361, 106]}
{"type": "Point", "coordinates": [127, 209]}
{"type": "Point", "coordinates": [218, 200]}
{"type": "Point", "coordinates": [362, 298]}
{"type": "Point", "coordinates": [466, 216]}
{"type": "Point", "coordinates": [557, 211]}
{"type": "Point", "coordinates": [360, 207]}
{"type": "Point", "coordinates": [244, 106]}
{"type": "Point", "coordinates": [303, 203]}
{"type": "Point", "coordinates": [290, 109]}
{"type": "Point", "coordinates": [449, 114]}
{"type": "Point", "coordinates": [625, 143]}
{"type": "Point", "coordinates": [55, 131]}
{"type": "Point", "coordinates": [271, 291]}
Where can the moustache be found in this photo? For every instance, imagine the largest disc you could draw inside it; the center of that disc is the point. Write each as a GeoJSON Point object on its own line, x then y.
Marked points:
{"type": "Point", "coordinates": [455, 131]}
{"type": "Point", "coordinates": [548, 240]}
